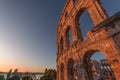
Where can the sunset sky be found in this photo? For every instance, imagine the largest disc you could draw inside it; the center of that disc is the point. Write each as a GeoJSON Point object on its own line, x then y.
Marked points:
{"type": "Point", "coordinates": [28, 32]}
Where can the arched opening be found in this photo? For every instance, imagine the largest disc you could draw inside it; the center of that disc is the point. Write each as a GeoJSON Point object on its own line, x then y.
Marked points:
{"type": "Point", "coordinates": [66, 14]}
{"type": "Point", "coordinates": [70, 69]}
{"type": "Point", "coordinates": [84, 21]}
{"type": "Point", "coordinates": [62, 72]}
{"type": "Point", "coordinates": [61, 45]}
{"type": "Point", "coordinates": [74, 1]}
{"type": "Point", "coordinates": [97, 66]}
{"type": "Point", "coordinates": [69, 37]}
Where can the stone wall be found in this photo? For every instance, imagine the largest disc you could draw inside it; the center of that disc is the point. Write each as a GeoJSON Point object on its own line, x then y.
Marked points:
{"type": "Point", "coordinates": [104, 37]}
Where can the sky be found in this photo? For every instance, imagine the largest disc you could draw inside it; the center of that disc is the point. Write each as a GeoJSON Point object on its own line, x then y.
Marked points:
{"type": "Point", "coordinates": [28, 32]}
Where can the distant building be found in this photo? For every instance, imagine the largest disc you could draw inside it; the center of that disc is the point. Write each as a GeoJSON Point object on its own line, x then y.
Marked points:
{"type": "Point", "coordinates": [107, 72]}
{"type": "Point", "coordinates": [96, 69]}
{"type": "Point", "coordinates": [102, 70]}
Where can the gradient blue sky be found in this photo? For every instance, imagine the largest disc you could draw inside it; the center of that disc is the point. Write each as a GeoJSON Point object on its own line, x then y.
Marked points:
{"type": "Point", "coordinates": [28, 32]}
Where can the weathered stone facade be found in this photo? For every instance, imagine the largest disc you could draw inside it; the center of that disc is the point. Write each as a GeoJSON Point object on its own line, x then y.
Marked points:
{"type": "Point", "coordinates": [72, 59]}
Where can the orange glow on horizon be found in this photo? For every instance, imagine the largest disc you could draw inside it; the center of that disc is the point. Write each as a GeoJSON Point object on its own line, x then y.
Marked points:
{"type": "Point", "coordinates": [20, 69]}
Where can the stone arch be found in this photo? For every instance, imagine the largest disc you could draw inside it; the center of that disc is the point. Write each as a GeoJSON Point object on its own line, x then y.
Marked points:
{"type": "Point", "coordinates": [100, 38]}
{"type": "Point", "coordinates": [86, 26]}
{"type": "Point", "coordinates": [95, 10]}
{"type": "Point", "coordinates": [68, 35]}
{"type": "Point", "coordinates": [87, 63]}
{"type": "Point", "coordinates": [87, 54]}
{"type": "Point", "coordinates": [62, 71]}
{"type": "Point", "coordinates": [70, 69]}
{"type": "Point", "coordinates": [78, 14]}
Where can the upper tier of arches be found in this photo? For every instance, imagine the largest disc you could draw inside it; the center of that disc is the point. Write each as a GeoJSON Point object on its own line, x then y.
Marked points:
{"type": "Point", "coordinates": [69, 20]}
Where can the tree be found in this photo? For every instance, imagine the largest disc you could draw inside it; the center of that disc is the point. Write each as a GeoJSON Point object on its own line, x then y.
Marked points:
{"type": "Point", "coordinates": [49, 74]}
{"type": "Point", "coordinates": [9, 73]}
{"type": "Point", "coordinates": [27, 76]}
{"type": "Point", "coordinates": [13, 76]}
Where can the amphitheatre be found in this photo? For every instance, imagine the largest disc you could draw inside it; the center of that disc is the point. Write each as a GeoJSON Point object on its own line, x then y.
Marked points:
{"type": "Point", "coordinates": [73, 59]}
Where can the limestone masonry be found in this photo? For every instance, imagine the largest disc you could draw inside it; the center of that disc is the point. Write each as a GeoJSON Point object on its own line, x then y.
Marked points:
{"type": "Point", "coordinates": [73, 59]}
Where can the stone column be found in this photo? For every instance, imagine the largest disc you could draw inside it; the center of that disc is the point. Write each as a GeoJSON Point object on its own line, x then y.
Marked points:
{"type": "Point", "coordinates": [83, 73]}
{"type": "Point", "coordinates": [77, 34]}
{"type": "Point", "coordinates": [66, 42]}
{"type": "Point", "coordinates": [116, 67]}
{"type": "Point", "coordinates": [96, 12]}
{"type": "Point", "coordinates": [65, 71]}
{"type": "Point", "coordinates": [57, 73]}
{"type": "Point", "coordinates": [100, 9]}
